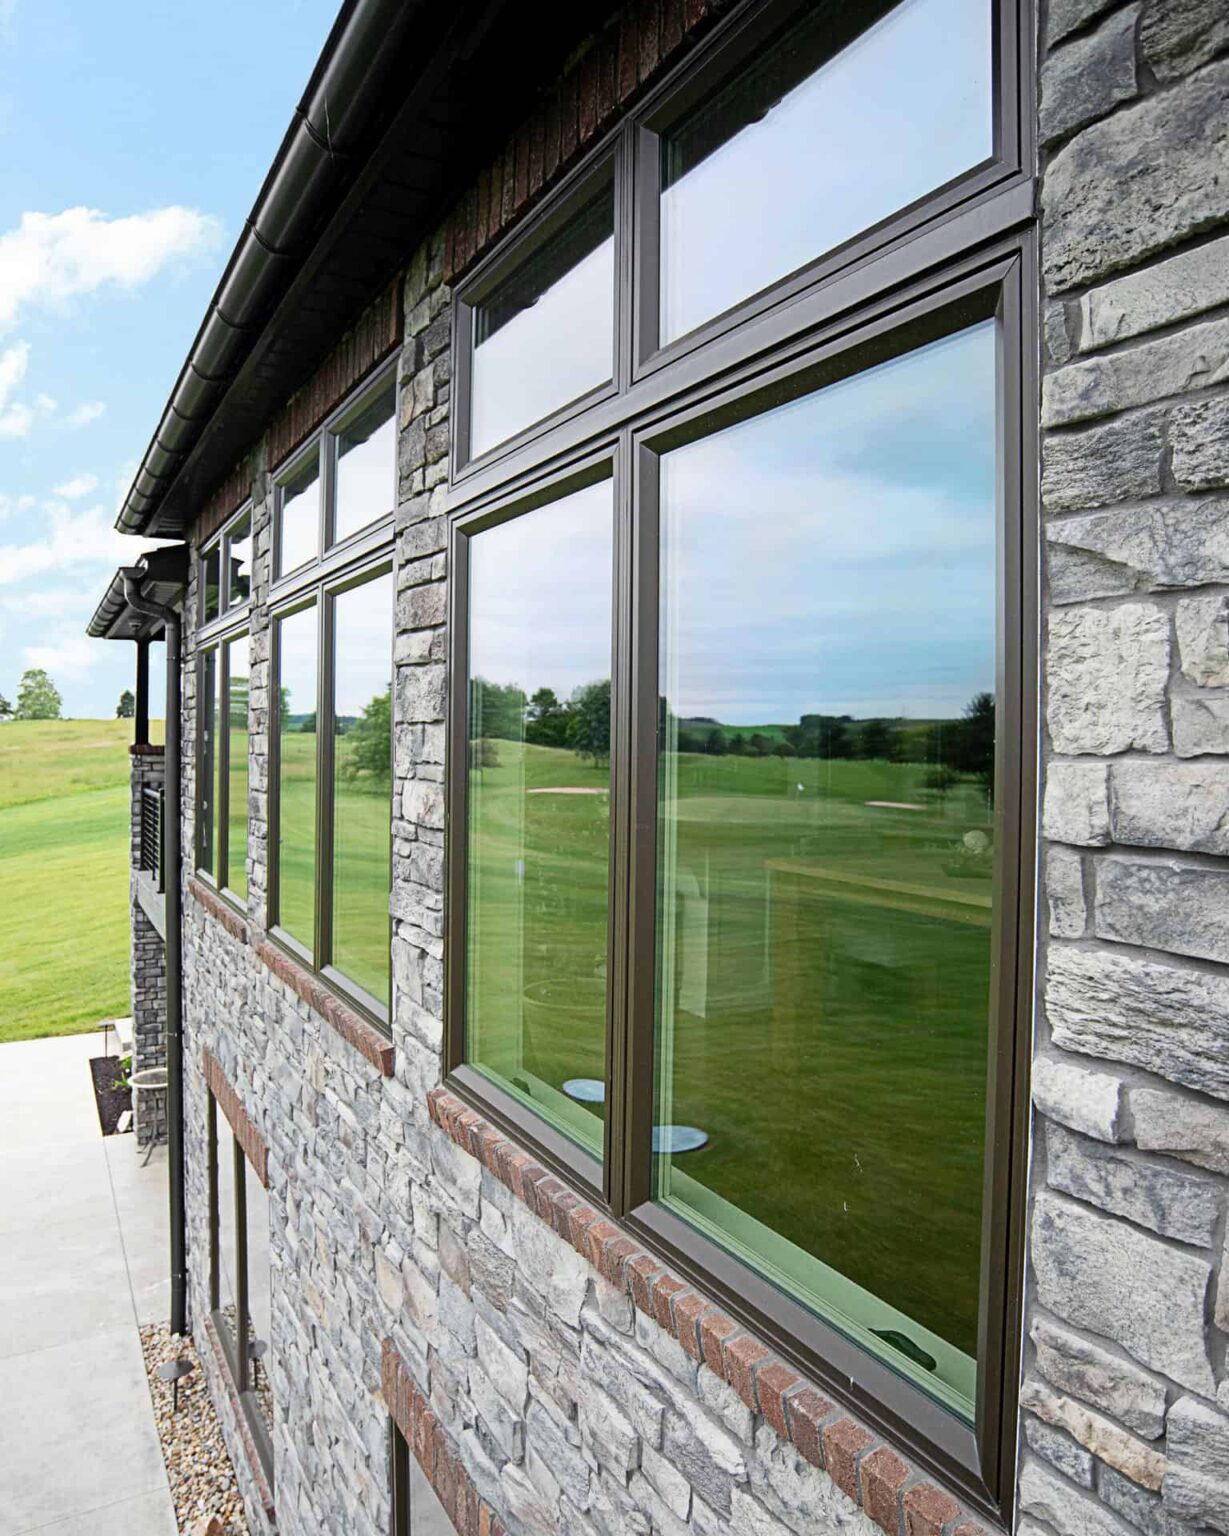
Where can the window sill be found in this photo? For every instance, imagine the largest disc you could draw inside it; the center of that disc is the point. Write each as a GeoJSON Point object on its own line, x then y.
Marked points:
{"type": "Point", "coordinates": [867, 1469]}
{"type": "Point", "coordinates": [367, 1040]}
{"type": "Point", "coordinates": [217, 906]}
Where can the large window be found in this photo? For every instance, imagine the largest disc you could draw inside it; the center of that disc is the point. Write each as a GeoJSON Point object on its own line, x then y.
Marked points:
{"type": "Point", "coordinates": [332, 737]}
{"type": "Point", "coordinates": [240, 1278]}
{"type": "Point", "coordinates": [417, 1510]}
{"type": "Point", "coordinates": [739, 753]}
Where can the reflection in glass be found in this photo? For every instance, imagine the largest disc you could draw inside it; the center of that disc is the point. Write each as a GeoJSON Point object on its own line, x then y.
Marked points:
{"type": "Point", "coordinates": [539, 806]}
{"type": "Point", "coordinates": [236, 874]}
{"type": "Point", "coordinates": [827, 842]}
{"type": "Point", "coordinates": [820, 137]}
{"type": "Point", "coordinates": [366, 465]}
{"type": "Point", "coordinates": [209, 580]}
{"type": "Point", "coordinates": [260, 1293]}
{"type": "Point", "coordinates": [299, 520]}
{"type": "Point", "coordinates": [239, 561]}
{"type": "Point", "coordinates": [228, 1250]}
{"type": "Point", "coordinates": [362, 819]}
{"type": "Point", "coordinates": [207, 766]}
{"type": "Point", "coordinates": [547, 333]}
{"type": "Point", "coordinates": [296, 775]}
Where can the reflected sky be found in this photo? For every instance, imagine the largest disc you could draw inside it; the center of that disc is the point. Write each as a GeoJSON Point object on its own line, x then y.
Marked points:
{"type": "Point", "coordinates": [836, 556]}
{"type": "Point", "coordinates": [297, 661]}
{"type": "Point", "coordinates": [536, 584]}
{"type": "Point", "coordinates": [364, 621]}
{"type": "Point", "coordinates": [366, 462]}
{"type": "Point", "coordinates": [901, 111]}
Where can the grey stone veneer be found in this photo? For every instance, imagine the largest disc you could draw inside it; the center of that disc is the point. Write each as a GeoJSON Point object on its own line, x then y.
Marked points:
{"type": "Point", "coordinates": [571, 1411]}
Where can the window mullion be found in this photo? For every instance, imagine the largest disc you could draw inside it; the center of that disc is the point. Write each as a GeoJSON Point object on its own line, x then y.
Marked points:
{"type": "Point", "coordinates": [222, 768]}
{"type": "Point", "coordinates": [242, 1331]}
{"type": "Point", "coordinates": [325, 763]}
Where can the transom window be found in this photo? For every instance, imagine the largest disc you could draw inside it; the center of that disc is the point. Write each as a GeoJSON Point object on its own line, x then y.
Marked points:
{"type": "Point", "coordinates": [331, 727]}
{"type": "Point", "coordinates": [738, 791]}
{"type": "Point", "coordinates": [226, 569]}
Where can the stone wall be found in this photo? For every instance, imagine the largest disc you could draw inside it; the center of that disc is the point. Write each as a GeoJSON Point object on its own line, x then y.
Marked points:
{"type": "Point", "coordinates": [404, 1251]}
{"type": "Point", "coordinates": [148, 963]}
{"type": "Point", "coordinates": [1126, 1397]}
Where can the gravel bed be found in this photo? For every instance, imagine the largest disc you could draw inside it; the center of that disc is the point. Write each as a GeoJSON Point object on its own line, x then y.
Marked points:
{"type": "Point", "coordinates": [202, 1478]}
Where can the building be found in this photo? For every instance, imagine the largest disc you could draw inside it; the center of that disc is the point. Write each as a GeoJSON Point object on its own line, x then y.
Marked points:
{"type": "Point", "coordinates": [695, 909]}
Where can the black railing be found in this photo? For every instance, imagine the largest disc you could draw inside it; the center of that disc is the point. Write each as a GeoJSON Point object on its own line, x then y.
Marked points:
{"type": "Point", "coordinates": [150, 852]}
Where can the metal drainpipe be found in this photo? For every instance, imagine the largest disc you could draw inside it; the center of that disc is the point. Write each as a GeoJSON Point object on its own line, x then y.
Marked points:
{"type": "Point", "coordinates": [172, 858]}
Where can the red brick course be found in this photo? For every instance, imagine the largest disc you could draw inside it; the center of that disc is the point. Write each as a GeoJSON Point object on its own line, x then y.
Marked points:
{"type": "Point", "coordinates": [433, 1450]}
{"type": "Point", "coordinates": [867, 1470]}
{"type": "Point", "coordinates": [607, 76]}
{"type": "Point", "coordinates": [218, 908]}
{"type": "Point", "coordinates": [255, 1148]}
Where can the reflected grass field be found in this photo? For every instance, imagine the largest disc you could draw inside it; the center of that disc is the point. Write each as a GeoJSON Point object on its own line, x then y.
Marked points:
{"type": "Point", "coordinates": [831, 977]}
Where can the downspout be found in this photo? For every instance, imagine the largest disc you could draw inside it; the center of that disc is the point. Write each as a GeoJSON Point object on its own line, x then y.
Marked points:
{"type": "Point", "coordinates": [172, 859]}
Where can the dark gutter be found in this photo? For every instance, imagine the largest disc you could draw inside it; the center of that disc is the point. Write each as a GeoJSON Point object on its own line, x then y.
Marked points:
{"type": "Point", "coordinates": [347, 93]}
{"type": "Point", "coordinates": [133, 579]}
{"type": "Point", "coordinates": [164, 574]}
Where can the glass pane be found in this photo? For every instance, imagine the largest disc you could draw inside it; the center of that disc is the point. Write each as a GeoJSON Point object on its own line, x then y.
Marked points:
{"type": "Point", "coordinates": [362, 791]}
{"type": "Point", "coordinates": [816, 140]}
{"type": "Point", "coordinates": [547, 334]}
{"type": "Point", "coordinates": [539, 806]}
{"type": "Point", "coordinates": [237, 787]}
{"type": "Point", "coordinates": [366, 467]}
{"type": "Point", "coordinates": [239, 561]}
{"type": "Point", "coordinates": [299, 522]}
{"type": "Point", "coordinates": [227, 1247]}
{"type": "Point", "coordinates": [207, 788]}
{"type": "Point", "coordinates": [427, 1515]}
{"type": "Point", "coordinates": [260, 1295]}
{"type": "Point", "coordinates": [827, 847]}
{"type": "Point", "coordinates": [296, 781]}
{"type": "Point", "coordinates": [209, 580]}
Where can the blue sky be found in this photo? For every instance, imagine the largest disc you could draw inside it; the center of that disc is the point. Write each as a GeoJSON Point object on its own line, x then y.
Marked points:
{"type": "Point", "coordinates": [134, 136]}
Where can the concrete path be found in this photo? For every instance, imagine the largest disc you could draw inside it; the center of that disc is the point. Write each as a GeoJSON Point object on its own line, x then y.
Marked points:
{"type": "Point", "coordinates": [83, 1262]}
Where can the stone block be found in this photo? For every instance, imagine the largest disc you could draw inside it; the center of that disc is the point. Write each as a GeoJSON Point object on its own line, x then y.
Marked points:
{"type": "Point", "coordinates": [1196, 1486]}
{"type": "Point", "coordinates": [1121, 1007]}
{"type": "Point", "coordinates": [1118, 460]}
{"type": "Point", "coordinates": [1083, 1369]}
{"type": "Point", "coordinates": [1108, 1277]}
{"type": "Point", "coordinates": [1067, 16]}
{"type": "Point", "coordinates": [1109, 1442]}
{"type": "Point", "coordinates": [1165, 1200]}
{"type": "Point", "coordinates": [1137, 182]}
{"type": "Point", "coordinates": [1184, 806]}
{"type": "Point", "coordinates": [1176, 907]}
{"type": "Point", "coordinates": [1202, 625]}
{"type": "Point", "coordinates": [1065, 893]}
{"type": "Point", "coordinates": [1087, 77]}
{"type": "Point", "coordinates": [1179, 35]}
{"type": "Point", "coordinates": [1107, 669]}
{"type": "Point", "coordinates": [1166, 546]}
{"type": "Point", "coordinates": [1199, 434]}
{"type": "Point", "coordinates": [1142, 1509]}
{"type": "Point", "coordinates": [1194, 358]}
{"type": "Point", "coordinates": [1060, 1450]}
{"type": "Point", "coordinates": [1078, 1096]}
{"type": "Point", "coordinates": [1174, 289]}
{"type": "Point", "coordinates": [1067, 1510]}
{"type": "Point", "coordinates": [1077, 804]}
{"type": "Point", "coordinates": [1192, 1129]}
{"type": "Point", "coordinates": [1200, 722]}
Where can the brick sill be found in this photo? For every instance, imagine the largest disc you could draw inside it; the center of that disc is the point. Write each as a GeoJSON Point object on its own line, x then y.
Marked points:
{"type": "Point", "coordinates": [895, 1495]}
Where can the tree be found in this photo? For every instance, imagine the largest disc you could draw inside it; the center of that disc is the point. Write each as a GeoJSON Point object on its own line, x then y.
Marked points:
{"type": "Point", "coordinates": [6, 709]}
{"type": "Point", "coordinates": [38, 698]}
{"type": "Point", "coordinates": [874, 739]}
{"type": "Point", "coordinates": [127, 706]}
{"type": "Point", "coordinates": [497, 709]}
{"type": "Point", "coordinates": [369, 741]}
{"type": "Point", "coordinates": [547, 719]}
{"type": "Point", "coordinates": [589, 733]}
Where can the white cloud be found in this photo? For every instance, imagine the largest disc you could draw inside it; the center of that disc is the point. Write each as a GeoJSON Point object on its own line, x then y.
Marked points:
{"type": "Point", "coordinates": [14, 361]}
{"type": "Point", "coordinates": [72, 654]}
{"type": "Point", "coordinates": [71, 539]}
{"type": "Point", "coordinates": [88, 411]}
{"type": "Point", "coordinates": [15, 421]}
{"type": "Point", "coordinates": [51, 258]}
{"type": "Point", "coordinates": [18, 504]}
{"type": "Point", "coordinates": [78, 486]}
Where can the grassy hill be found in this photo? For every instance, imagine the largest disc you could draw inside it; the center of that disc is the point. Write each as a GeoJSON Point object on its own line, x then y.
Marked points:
{"type": "Point", "coordinates": [63, 875]}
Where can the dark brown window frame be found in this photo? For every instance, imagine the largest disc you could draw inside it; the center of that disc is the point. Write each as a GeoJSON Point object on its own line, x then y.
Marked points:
{"type": "Point", "coordinates": [967, 251]}
{"type": "Point", "coordinates": [218, 645]}
{"type": "Point", "coordinates": [235, 1349]}
{"type": "Point", "coordinates": [320, 593]}
{"type": "Point", "coordinates": [228, 614]}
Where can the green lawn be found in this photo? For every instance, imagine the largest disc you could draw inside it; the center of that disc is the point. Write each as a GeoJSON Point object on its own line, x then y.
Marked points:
{"type": "Point", "coordinates": [64, 829]}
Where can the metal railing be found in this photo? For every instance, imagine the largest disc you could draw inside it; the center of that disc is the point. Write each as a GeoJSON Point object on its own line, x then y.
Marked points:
{"type": "Point", "coordinates": [150, 850]}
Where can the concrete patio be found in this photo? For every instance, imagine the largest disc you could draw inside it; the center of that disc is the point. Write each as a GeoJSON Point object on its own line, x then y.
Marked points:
{"type": "Point", "coordinates": [83, 1264]}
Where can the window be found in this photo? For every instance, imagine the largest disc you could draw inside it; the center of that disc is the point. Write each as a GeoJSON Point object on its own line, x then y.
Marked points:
{"type": "Point", "coordinates": [341, 483]}
{"type": "Point", "coordinates": [739, 787]}
{"type": "Point", "coordinates": [240, 1278]}
{"type": "Point", "coordinates": [226, 569]}
{"type": "Point", "coordinates": [222, 765]}
{"type": "Point", "coordinates": [544, 334]}
{"type": "Point", "coordinates": [239, 561]}
{"type": "Point", "coordinates": [330, 880]}
{"type": "Point", "coordinates": [417, 1510]}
